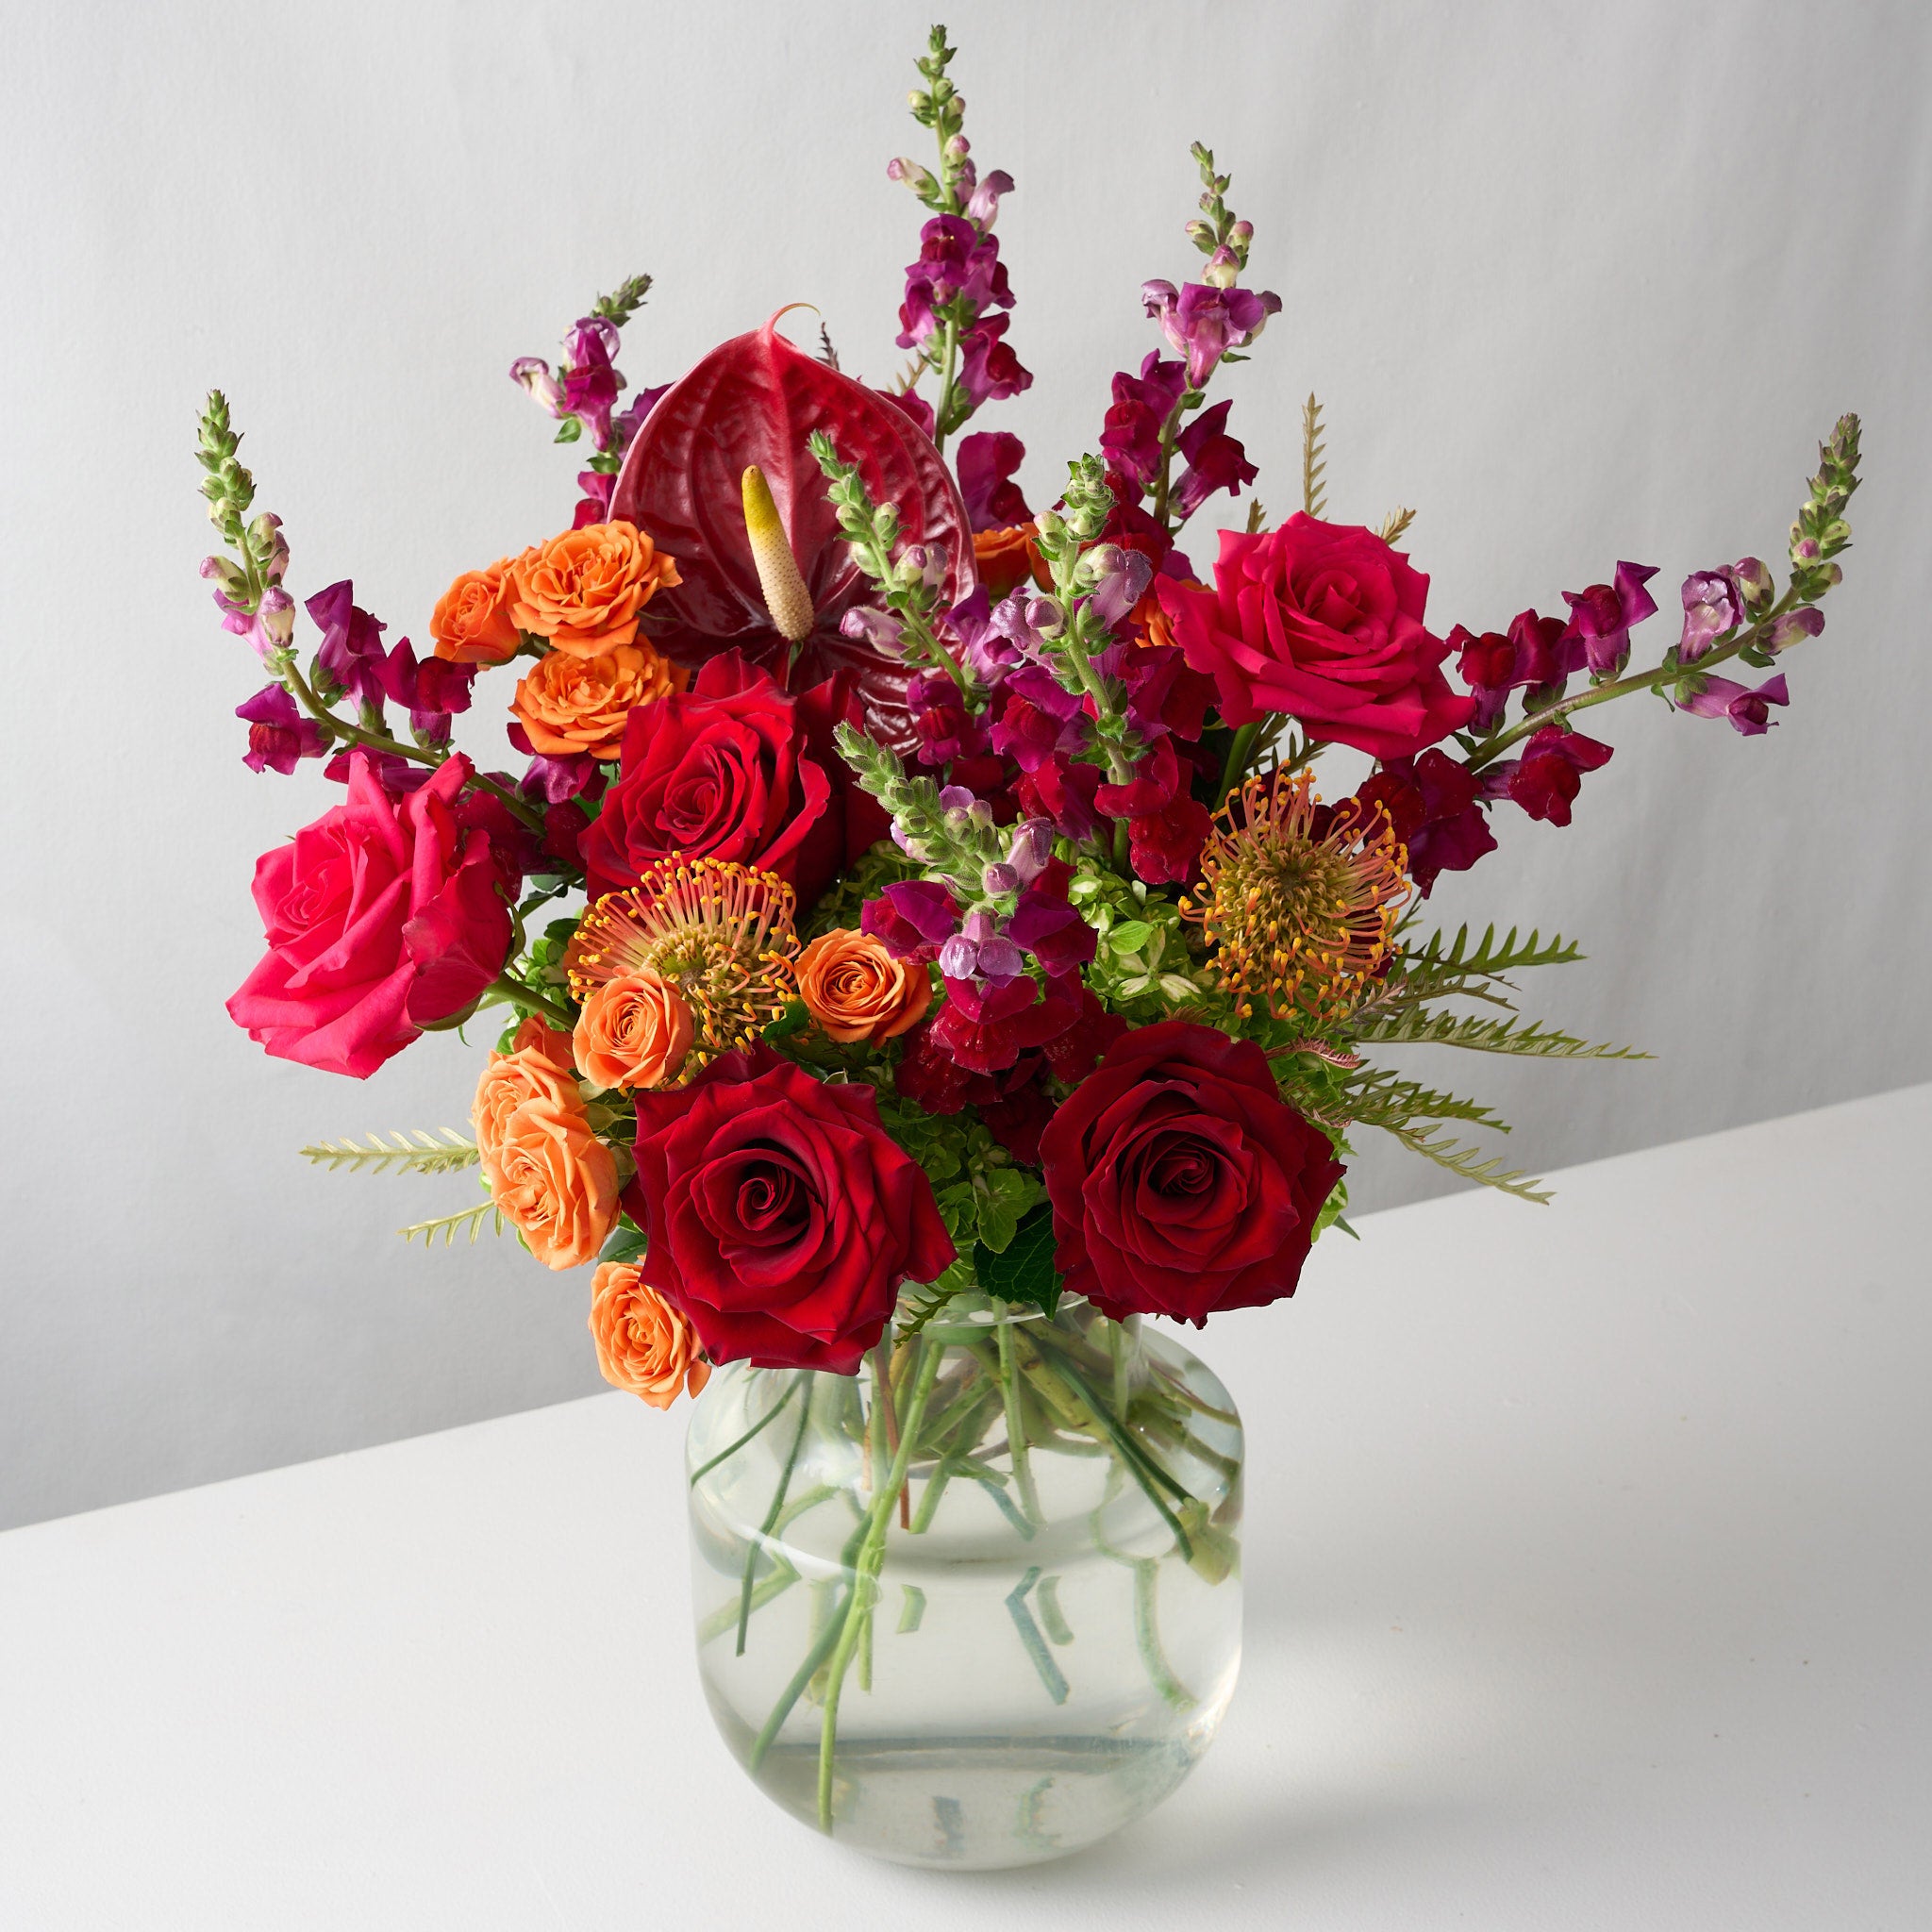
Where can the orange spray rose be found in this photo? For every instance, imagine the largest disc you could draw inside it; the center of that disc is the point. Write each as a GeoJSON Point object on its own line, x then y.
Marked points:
{"type": "Point", "coordinates": [583, 589]}
{"type": "Point", "coordinates": [855, 989]}
{"type": "Point", "coordinates": [548, 1173]}
{"type": "Point", "coordinates": [570, 705]}
{"type": "Point", "coordinates": [471, 621]}
{"type": "Point", "coordinates": [644, 1343]}
{"type": "Point", "coordinates": [1008, 557]}
{"type": "Point", "coordinates": [634, 1031]}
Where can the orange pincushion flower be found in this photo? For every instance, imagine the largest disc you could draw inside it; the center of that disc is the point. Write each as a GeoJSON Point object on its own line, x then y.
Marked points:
{"type": "Point", "coordinates": [548, 1173]}
{"type": "Point", "coordinates": [1008, 557]}
{"type": "Point", "coordinates": [570, 705]}
{"type": "Point", "coordinates": [644, 1343]}
{"type": "Point", "coordinates": [471, 621]}
{"type": "Point", "coordinates": [855, 989]}
{"type": "Point", "coordinates": [583, 589]}
{"type": "Point", "coordinates": [635, 1031]}
{"type": "Point", "coordinates": [1300, 919]}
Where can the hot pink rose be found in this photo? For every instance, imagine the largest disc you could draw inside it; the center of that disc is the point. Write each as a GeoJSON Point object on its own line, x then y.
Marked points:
{"type": "Point", "coordinates": [1322, 622]}
{"type": "Point", "coordinates": [382, 917]}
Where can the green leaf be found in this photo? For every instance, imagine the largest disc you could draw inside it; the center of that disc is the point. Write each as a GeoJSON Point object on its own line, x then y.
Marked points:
{"type": "Point", "coordinates": [1024, 1269]}
{"type": "Point", "coordinates": [425, 1153]}
{"type": "Point", "coordinates": [450, 1226]}
{"type": "Point", "coordinates": [626, 1243]}
{"type": "Point", "coordinates": [793, 1020]}
{"type": "Point", "coordinates": [1419, 1027]}
{"type": "Point", "coordinates": [1008, 1194]}
{"type": "Point", "coordinates": [1129, 937]}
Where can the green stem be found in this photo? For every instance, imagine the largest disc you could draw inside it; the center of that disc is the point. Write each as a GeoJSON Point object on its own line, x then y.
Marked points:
{"type": "Point", "coordinates": [1016, 1434]}
{"type": "Point", "coordinates": [1238, 754]}
{"type": "Point", "coordinates": [765, 1529]}
{"type": "Point", "coordinates": [1161, 484]}
{"type": "Point", "coordinates": [764, 1422]}
{"type": "Point", "coordinates": [378, 741]}
{"type": "Point", "coordinates": [514, 993]}
{"type": "Point", "coordinates": [949, 355]}
{"type": "Point", "coordinates": [1493, 746]}
{"type": "Point", "coordinates": [871, 1557]}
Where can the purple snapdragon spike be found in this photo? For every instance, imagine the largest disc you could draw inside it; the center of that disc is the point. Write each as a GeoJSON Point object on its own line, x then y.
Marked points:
{"type": "Point", "coordinates": [351, 649]}
{"type": "Point", "coordinates": [986, 462]}
{"type": "Point", "coordinates": [983, 199]}
{"type": "Point", "coordinates": [1601, 617]}
{"type": "Point", "coordinates": [956, 262]}
{"type": "Point", "coordinates": [1713, 605]}
{"type": "Point", "coordinates": [553, 780]}
{"type": "Point", "coordinates": [1793, 627]}
{"type": "Point", "coordinates": [1203, 322]}
{"type": "Point", "coordinates": [922, 913]}
{"type": "Point", "coordinates": [1747, 710]}
{"type": "Point", "coordinates": [945, 728]}
{"type": "Point", "coordinates": [1047, 926]}
{"type": "Point", "coordinates": [1537, 652]}
{"type": "Point", "coordinates": [1163, 694]}
{"type": "Point", "coordinates": [1030, 849]}
{"type": "Point", "coordinates": [1215, 461]}
{"type": "Point", "coordinates": [1119, 580]}
{"type": "Point", "coordinates": [989, 369]}
{"type": "Point", "coordinates": [542, 387]}
{"type": "Point", "coordinates": [1040, 720]}
{"type": "Point", "coordinates": [1130, 438]}
{"type": "Point", "coordinates": [591, 380]}
{"type": "Point", "coordinates": [879, 630]}
{"type": "Point", "coordinates": [279, 734]}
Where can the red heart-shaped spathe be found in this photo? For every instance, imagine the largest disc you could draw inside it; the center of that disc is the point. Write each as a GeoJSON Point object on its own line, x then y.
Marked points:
{"type": "Point", "coordinates": [756, 399]}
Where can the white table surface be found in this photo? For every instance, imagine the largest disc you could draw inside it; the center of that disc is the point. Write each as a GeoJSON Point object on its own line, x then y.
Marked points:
{"type": "Point", "coordinates": [1589, 1571]}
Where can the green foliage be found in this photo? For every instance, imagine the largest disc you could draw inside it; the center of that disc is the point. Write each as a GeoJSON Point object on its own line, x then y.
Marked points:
{"type": "Point", "coordinates": [982, 1193]}
{"type": "Point", "coordinates": [626, 1243]}
{"type": "Point", "coordinates": [401, 1154]}
{"type": "Point", "coordinates": [625, 301]}
{"type": "Point", "coordinates": [1379, 1098]}
{"type": "Point", "coordinates": [1417, 1026]}
{"type": "Point", "coordinates": [1141, 965]}
{"type": "Point", "coordinates": [1024, 1269]}
{"type": "Point", "coordinates": [1395, 523]}
{"type": "Point", "coordinates": [1467, 1161]}
{"type": "Point", "coordinates": [450, 1226]}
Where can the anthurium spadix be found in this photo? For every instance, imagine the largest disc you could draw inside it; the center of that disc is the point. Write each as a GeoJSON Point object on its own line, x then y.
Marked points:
{"type": "Point", "coordinates": [752, 403]}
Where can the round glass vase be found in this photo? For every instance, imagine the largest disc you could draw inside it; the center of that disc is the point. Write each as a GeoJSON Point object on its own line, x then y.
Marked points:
{"type": "Point", "coordinates": [979, 1603]}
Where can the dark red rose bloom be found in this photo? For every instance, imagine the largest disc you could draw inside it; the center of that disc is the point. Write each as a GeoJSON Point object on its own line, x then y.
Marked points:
{"type": "Point", "coordinates": [735, 769]}
{"type": "Point", "coordinates": [1181, 1182]}
{"type": "Point", "coordinates": [1545, 781]}
{"type": "Point", "coordinates": [780, 1216]}
{"type": "Point", "coordinates": [1436, 806]}
{"type": "Point", "coordinates": [383, 917]}
{"type": "Point", "coordinates": [1322, 622]}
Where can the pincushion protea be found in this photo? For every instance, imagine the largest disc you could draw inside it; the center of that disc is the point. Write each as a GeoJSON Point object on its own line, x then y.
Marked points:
{"type": "Point", "coordinates": [721, 933]}
{"type": "Point", "coordinates": [1299, 904]}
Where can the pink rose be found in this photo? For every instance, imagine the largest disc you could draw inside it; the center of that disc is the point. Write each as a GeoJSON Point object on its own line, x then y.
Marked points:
{"type": "Point", "coordinates": [1322, 622]}
{"type": "Point", "coordinates": [382, 918]}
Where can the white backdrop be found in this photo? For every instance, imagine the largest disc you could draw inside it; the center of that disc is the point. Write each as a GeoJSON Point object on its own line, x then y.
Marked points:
{"type": "Point", "coordinates": [1579, 284]}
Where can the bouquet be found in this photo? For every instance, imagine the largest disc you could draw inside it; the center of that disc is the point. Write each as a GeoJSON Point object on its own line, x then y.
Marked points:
{"type": "Point", "coordinates": [898, 901]}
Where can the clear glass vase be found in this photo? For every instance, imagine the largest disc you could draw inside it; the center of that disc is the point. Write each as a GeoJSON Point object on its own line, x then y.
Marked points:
{"type": "Point", "coordinates": [978, 1605]}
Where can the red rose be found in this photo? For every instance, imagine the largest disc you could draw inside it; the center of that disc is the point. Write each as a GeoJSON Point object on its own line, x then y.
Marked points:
{"type": "Point", "coordinates": [1322, 622]}
{"type": "Point", "coordinates": [735, 769]}
{"type": "Point", "coordinates": [382, 917]}
{"type": "Point", "coordinates": [1181, 1183]}
{"type": "Point", "coordinates": [781, 1218]}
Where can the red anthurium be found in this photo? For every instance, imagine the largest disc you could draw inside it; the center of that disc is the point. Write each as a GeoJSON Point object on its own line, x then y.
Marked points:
{"type": "Point", "coordinates": [753, 400]}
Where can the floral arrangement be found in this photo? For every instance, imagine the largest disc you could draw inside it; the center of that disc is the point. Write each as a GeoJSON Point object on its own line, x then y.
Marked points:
{"type": "Point", "coordinates": [897, 894]}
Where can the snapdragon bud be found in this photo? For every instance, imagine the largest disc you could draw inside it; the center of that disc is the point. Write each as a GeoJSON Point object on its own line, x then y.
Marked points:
{"type": "Point", "coordinates": [998, 879]}
{"type": "Point", "coordinates": [1224, 269]}
{"type": "Point", "coordinates": [276, 616]}
{"type": "Point", "coordinates": [1754, 585]}
{"type": "Point", "coordinates": [1202, 235]}
{"type": "Point", "coordinates": [957, 146]}
{"type": "Point", "coordinates": [265, 536]}
{"type": "Point", "coordinates": [229, 577]}
{"type": "Point", "coordinates": [917, 178]}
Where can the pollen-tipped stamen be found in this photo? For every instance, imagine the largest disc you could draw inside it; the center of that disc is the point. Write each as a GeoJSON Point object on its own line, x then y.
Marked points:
{"type": "Point", "coordinates": [785, 594]}
{"type": "Point", "coordinates": [721, 933]}
{"type": "Point", "coordinates": [1299, 923]}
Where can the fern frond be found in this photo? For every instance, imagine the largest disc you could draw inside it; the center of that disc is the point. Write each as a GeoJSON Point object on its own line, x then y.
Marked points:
{"type": "Point", "coordinates": [1397, 521]}
{"type": "Point", "coordinates": [423, 1154]}
{"type": "Point", "coordinates": [449, 1225]}
{"type": "Point", "coordinates": [1382, 1098]}
{"type": "Point", "coordinates": [1477, 1032]}
{"type": "Point", "coordinates": [1314, 460]}
{"type": "Point", "coordinates": [1491, 956]}
{"type": "Point", "coordinates": [914, 1313]}
{"type": "Point", "coordinates": [1469, 1163]}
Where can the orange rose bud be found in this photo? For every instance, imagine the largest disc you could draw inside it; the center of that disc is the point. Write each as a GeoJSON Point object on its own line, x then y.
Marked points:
{"type": "Point", "coordinates": [471, 621]}
{"type": "Point", "coordinates": [570, 705]}
{"type": "Point", "coordinates": [551, 1044]}
{"type": "Point", "coordinates": [1008, 557]}
{"type": "Point", "coordinates": [644, 1343]}
{"type": "Point", "coordinates": [583, 589]}
{"type": "Point", "coordinates": [855, 989]}
{"type": "Point", "coordinates": [550, 1177]}
{"type": "Point", "coordinates": [635, 1031]}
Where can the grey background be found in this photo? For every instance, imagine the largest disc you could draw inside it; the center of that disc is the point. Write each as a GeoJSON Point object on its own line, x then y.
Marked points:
{"type": "Point", "coordinates": [1578, 284]}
